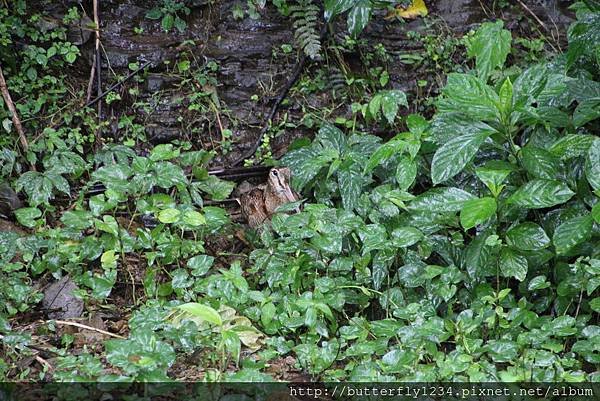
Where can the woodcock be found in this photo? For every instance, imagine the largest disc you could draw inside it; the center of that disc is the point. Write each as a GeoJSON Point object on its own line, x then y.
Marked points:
{"type": "Point", "coordinates": [260, 203]}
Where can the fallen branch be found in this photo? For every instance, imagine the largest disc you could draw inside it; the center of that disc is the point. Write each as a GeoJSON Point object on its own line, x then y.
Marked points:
{"type": "Point", "coordinates": [13, 111]}
{"type": "Point", "coordinates": [83, 326]}
{"type": "Point", "coordinates": [539, 21]}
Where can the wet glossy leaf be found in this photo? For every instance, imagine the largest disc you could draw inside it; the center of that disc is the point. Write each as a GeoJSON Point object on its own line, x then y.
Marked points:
{"type": "Point", "coordinates": [477, 211]}
{"type": "Point", "coordinates": [489, 46]}
{"type": "Point", "coordinates": [527, 237]}
{"type": "Point", "coordinates": [454, 155]}
{"type": "Point", "coordinates": [540, 193]}
{"type": "Point", "coordinates": [572, 232]}
{"type": "Point", "coordinates": [512, 264]}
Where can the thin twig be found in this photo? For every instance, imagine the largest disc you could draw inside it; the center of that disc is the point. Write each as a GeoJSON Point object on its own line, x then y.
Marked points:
{"type": "Point", "coordinates": [91, 81]}
{"type": "Point", "coordinates": [278, 100]}
{"type": "Point", "coordinates": [13, 111]}
{"type": "Point", "coordinates": [98, 59]}
{"type": "Point", "coordinates": [121, 82]}
{"type": "Point", "coordinates": [539, 21]}
{"type": "Point", "coordinates": [83, 326]}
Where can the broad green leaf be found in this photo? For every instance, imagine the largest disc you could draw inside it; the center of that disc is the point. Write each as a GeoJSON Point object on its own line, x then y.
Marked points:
{"type": "Point", "coordinates": [406, 172]}
{"type": "Point", "coordinates": [217, 188]}
{"type": "Point", "coordinates": [192, 218]}
{"type": "Point", "coordinates": [406, 236]}
{"type": "Point", "coordinates": [168, 216]}
{"type": "Point", "coordinates": [440, 200]}
{"type": "Point", "coordinates": [26, 216]}
{"type": "Point", "coordinates": [540, 163]}
{"type": "Point", "coordinates": [384, 153]}
{"type": "Point", "coordinates": [167, 22]}
{"type": "Point", "coordinates": [335, 7]}
{"type": "Point", "coordinates": [596, 212]}
{"type": "Point", "coordinates": [513, 264]}
{"type": "Point", "coordinates": [537, 194]}
{"type": "Point", "coordinates": [538, 283]}
{"type": "Point", "coordinates": [155, 13]}
{"type": "Point", "coordinates": [390, 102]}
{"type": "Point", "coordinates": [469, 95]}
{"type": "Point", "coordinates": [200, 264]}
{"type": "Point", "coordinates": [163, 152]}
{"type": "Point", "coordinates": [490, 46]}
{"type": "Point", "coordinates": [454, 155]}
{"type": "Point", "coordinates": [572, 233]}
{"type": "Point", "coordinates": [592, 165]}
{"type": "Point", "coordinates": [203, 312]}
{"type": "Point", "coordinates": [493, 174]}
{"type": "Point", "coordinates": [447, 126]}
{"type": "Point", "coordinates": [350, 182]}
{"type": "Point", "coordinates": [332, 137]}
{"type": "Point", "coordinates": [108, 224]}
{"type": "Point", "coordinates": [476, 211]}
{"type": "Point", "coordinates": [572, 145]}
{"type": "Point", "coordinates": [586, 111]}
{"type": "Point", "coordinates": [77, 219]}
{"type": "Point", "coordinates": [359, 17]}
{"type": "Point", "coordinates": [527, 237]}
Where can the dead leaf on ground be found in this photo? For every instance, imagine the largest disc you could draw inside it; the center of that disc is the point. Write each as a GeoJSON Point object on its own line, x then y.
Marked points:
{"type": "Point", "coordinates": [415, 10]}
{"type": "Point", "coordinates": [60, 301]}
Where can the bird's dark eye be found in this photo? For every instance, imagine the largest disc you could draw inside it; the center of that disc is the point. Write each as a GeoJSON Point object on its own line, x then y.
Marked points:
{"type": "Point", "coordinates": [274, 172]}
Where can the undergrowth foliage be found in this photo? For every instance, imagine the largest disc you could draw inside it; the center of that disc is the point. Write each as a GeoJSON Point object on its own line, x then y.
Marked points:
{"type": "Point", "coordinates": [464, 248]}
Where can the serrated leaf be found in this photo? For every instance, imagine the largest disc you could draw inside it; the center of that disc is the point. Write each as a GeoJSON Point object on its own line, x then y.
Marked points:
{"type": "Point", "coordinates": [476, 211]}
{"type": "Point", "coordinates": [572, 233]}
{"type": "Point", "coordinates": [469, 95]}
{"type": "Point", "coordinates": [540, 193]}
{"type": "Point", "coordinates": [527, 237]}
{"type": "Point", "coordinates": [454, 155]}
{"type": "Point", "coordinates": [513, 264]}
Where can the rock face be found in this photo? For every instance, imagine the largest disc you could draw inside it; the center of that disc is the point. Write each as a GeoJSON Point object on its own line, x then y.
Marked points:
{"type": "Point", "coordinates": [60, 301]}
{"type": "Point", "coordinates": [244, 52]}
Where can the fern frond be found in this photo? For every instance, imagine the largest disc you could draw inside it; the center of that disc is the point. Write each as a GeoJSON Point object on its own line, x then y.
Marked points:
{"type": "Point", "coordinates": [305, 16]}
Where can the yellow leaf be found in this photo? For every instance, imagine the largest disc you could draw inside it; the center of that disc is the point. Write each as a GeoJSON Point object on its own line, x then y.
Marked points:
{"type": "Point", "coordinates": [415, 10]}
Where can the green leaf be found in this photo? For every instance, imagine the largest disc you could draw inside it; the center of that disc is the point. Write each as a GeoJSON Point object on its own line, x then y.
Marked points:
{"type": "Point", "coordinates": [200, 265]}
{"type": "Point", "coordinates": [440, 200]}
{"type": "Point", "coordinates": [527, 237]}
{"type": "Point", "coordinates": [572, 145]}
{"type": "Point", "coordinates": [572, 233]}
{"type": "Point", "coordinates": [203, 312]}
{"type": "Point", "coordinates": [193, 218]}
{"type": "Point", "coordinates": [490, 46]}
{"type": "Point", "coordinates": [167, 22]}
{"type": "Point", "coordinates": [513, 264]}
{"type": "Point", "coordinates": [384, 152]}
{"type": "Point", "coordinates": [163, 152]}
{"type": "Point", "coordinates": [476, 211]}
{"type": "Point", "coordinates": [359, 17]}
{"type": "Point", "coordinates": [390, 102]}
{"type": "Point", "coordinates": [540, 163]}
{"type": "Point", "coordinates": [596, 212]}
{"type": "Point", "coordinates": [586, 111]}
{"type": "Point", "coordinates": [538, 283]}
{"type": "Point", "coordinates": [540, 193]}
{"type": "Point", "coordinates": [595, 304]}
{"type": "Point", "coordinates": [350, 182]}
{"type": "Point", "coordinates": [26, 216]}
{"type": "Point", "coordinates": [469, 95]}
{"type": "Point", "coordinates": [406, 172]}
{"type": "Point", "coordinates": [77, 219]}
{"type": "Point", "coordinates": [454, 155]}
{"type": "Point", "coordinates": [155, 13]}
{"type": "Point", "coordinates": [592, 165]}
{"type": "Point", "coordinates": [217, 188]}
{"type": "Point", "coordinates": [506, 97]}
{"type": "Point", "coordinates": [168, 216]}
{"type": "Point", "coordinates": [335, 7]}
{"type": "Point", "coordinates": [406, 236]}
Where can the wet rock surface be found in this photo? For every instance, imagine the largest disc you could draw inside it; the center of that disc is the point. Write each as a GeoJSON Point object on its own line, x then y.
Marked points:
{"type": "Point", "coordinates": [243, 50]}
